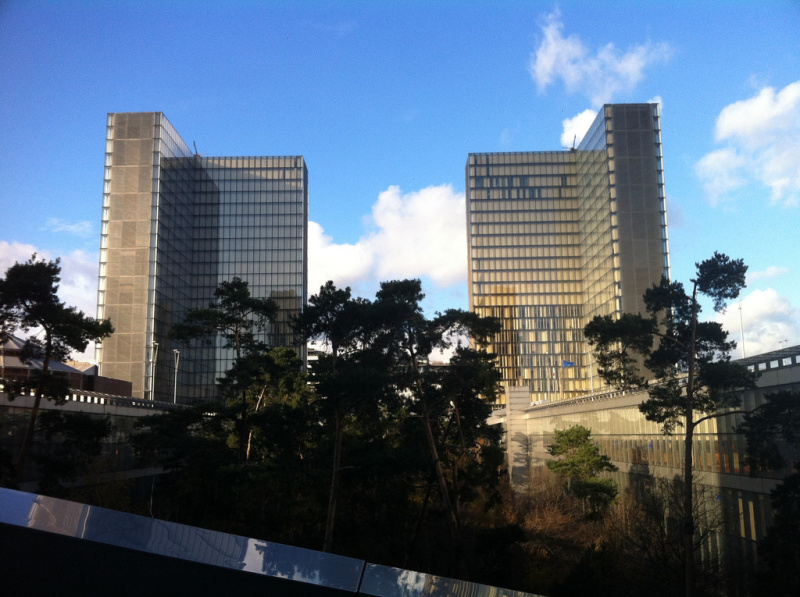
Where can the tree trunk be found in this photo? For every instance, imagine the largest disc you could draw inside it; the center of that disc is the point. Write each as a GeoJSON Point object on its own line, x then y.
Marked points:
{"type": "Point", "coordinates": [688, 515]}
{"type": "Point", "coordinates": [437, 463]}
{"type": "Point", "coordinates": [244, 444]}
{"type": "Point", "coordinates": [337, 462]}
{"type": "Point", "coordinates": [250, 432]}
{"type": "Point", "coordinates": [688, 506]}
{"type": "Point", "coordinates": [410, 548]}
{"type": "Point", "coordinates": [244, 453]}
{"type": "Point", "coordinates": [26, 443]}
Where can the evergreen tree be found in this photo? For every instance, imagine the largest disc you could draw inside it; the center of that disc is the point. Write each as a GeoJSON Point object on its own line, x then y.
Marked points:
{"type": "Point", "coordinates": [581, 462]}
{"type": "Point", "coordinates": [237, 317]}
{"type": "Point", "coordinates": [350, 375]}
{"type": "Point", "coordinates": [356, 440]}
{"type": "Point", "coordinates": [73, 442]}
{"type": "Point", "coordinates": [413, 338]}
{"type": "Point", "coordinates": [29, 301]}
{"type": "Point", "coordinates": [690, 364]}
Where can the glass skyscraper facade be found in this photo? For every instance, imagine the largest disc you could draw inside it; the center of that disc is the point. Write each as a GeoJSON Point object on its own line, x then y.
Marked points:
{"type": "Point", "coordinates": [557, 237]}
{"type": "Point", "coordinates": [175, 225]}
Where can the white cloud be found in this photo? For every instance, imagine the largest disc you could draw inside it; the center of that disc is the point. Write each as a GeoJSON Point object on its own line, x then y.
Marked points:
{"type": "Point", "coordinates": [79, 271]}
{"type": "Point", "coordinates": [762, 137]}
{"type": "Point", "coordinates": [575, 128]}
{"type": "Point", "coordinates": [771, 272]}
{"type": "Point", "coordinates": [599, 75]}
{"type": "Point", "coordinates": [721, 171]}
{"type": "Point", "coordinates": [769, 320]}
{"type": "Point", "coordinates": [78, 287]}
{"type": "Point", "coordinates": [343, 263]}
{"type": "Point", "coordinates": [759, 120]}
{"type": "Point", "coordinates": [11, 253]}
{"type": "Point", "coordinates": [420, 234]}
{"type": "Point", "coordinates": [83, 229]}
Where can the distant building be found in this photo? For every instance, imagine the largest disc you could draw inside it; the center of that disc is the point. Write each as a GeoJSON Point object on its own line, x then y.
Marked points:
{"type": "Point", "coordinates": [83, 377]}
{"type": "Point", "coordinates": [557, 237]}
{"type": "Point", "coordinates": [174, 225]}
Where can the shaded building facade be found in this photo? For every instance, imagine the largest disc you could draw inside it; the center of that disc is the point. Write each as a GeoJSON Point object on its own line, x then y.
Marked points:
{"type": "Point", "coordinates": [557, 237]}
{"type": "Point", "coordinates": [729, 491]}
{"type": "Point", "coordinates": [175, 225]}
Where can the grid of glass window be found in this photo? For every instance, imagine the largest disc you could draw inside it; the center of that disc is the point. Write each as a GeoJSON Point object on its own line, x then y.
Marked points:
{"type": "Point", "coordinates": [525, 266]}
{"type": "Point", "coordinates": [556, 238]}
{"type": "Point", "coordinates": [174, 226]}
{"type": "Point", "coordinates": [636, 184]}
{"type": "Point", "coordinates": [251, 222]}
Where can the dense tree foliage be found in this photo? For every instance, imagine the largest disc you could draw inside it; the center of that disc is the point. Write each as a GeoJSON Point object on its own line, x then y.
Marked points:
{"type": "Point", "coordinates": [388, 450]}
{"type": "Point", "coordinates": [73, 442]}
{"type": "Point", "coordinates": [236, 316]}
{"type": "Point", "coordinates": [375, 372]}
{"type": "Point", "coordinates": [351, 376]}
{"type": "Point", "coordinates": [780, 548]}
{"type": "Point", "coordinates": [581, 462]}
{"type": "Point", "coordinates": [29, 301]}
{"type": "Point", "coordinates": [688, 358]}
{"type": "Point", "coordinates": [769, 429]}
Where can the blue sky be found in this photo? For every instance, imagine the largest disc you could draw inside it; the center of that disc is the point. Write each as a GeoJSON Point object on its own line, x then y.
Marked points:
{"type": "Point", "coordinates": [385, 100]}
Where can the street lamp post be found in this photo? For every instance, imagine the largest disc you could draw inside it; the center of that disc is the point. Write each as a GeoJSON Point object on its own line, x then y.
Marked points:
{"type": "Point", "coordinates": [153, 359]}
{"type": "Point", "coordinates": [177, 354]}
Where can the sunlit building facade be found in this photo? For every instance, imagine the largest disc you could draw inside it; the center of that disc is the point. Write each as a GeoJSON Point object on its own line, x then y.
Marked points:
{"type": "Point", "coordinates": [175, 225]}
{"type": "Point", "coordinates": [557, 237]}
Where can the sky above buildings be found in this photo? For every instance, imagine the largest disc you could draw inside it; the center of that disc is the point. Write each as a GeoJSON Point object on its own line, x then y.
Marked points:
{"type": "Point", "coordinates": [385, 100]}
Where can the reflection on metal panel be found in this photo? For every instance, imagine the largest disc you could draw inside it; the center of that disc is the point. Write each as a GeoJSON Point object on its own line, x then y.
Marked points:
{"type": "Point", "coordinates": [178, 541]}
{"type": "Point", "coordinates": [223, 550]}
{"type": "Point", "coordinates": [383, 581]}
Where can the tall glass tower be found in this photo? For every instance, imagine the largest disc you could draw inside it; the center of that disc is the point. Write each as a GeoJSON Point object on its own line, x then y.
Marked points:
{"type": "Point", "coordinates": [557, 237]}
{"type": "Point", "coordinates": [174, 226]}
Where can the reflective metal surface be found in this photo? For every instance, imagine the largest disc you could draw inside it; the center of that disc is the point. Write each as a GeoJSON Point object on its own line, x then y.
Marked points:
{"type": "Point", "coordinates": [384, 581]}
{"type": "Point", "coordinates": [330, 572]}
{"type": "Point", "coordinates": [178, 541]}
